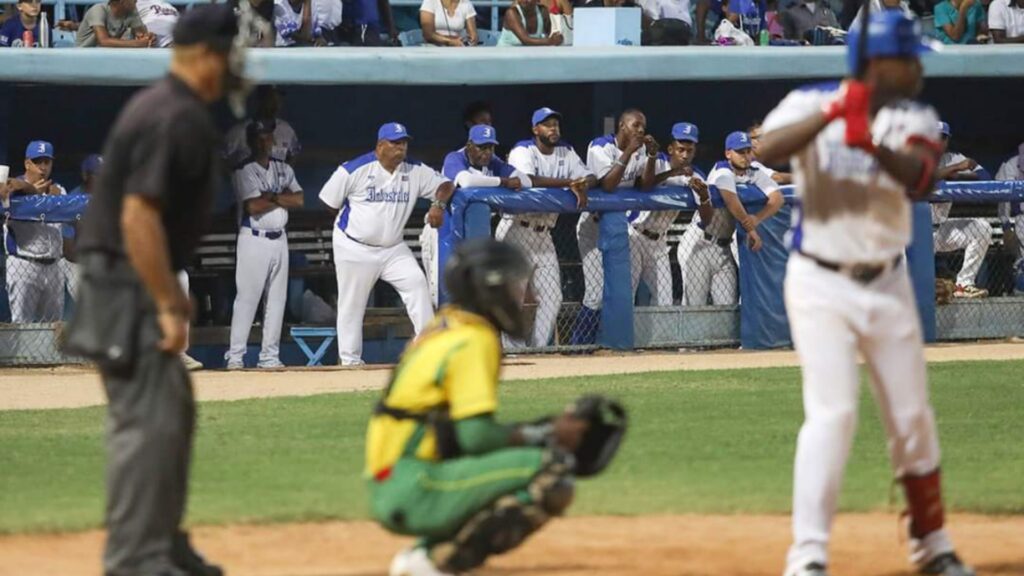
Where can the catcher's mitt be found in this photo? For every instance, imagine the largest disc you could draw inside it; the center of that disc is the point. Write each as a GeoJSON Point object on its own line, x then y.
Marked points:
{"type": "Point", "coordinates": [944, 291]}
{"type": "Point", "coordinates": [601, 441]}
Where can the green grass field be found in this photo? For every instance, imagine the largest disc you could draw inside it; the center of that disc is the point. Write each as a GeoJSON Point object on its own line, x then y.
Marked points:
{"type": "Point", "coordinates": [704, 442]}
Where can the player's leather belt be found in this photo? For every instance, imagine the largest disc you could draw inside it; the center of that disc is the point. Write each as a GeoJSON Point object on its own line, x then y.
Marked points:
{"type": "Point", "coordinates": [529, 226]}
{"type": "Point", "coordinates": [46, 261]}
{"type": "Point", "coordinates": [863, 273]}
{"type": "Point", "coordinates": [268, 234]}
{"type": "Point", "coordinates": [723, 242]}
{"type": "Point", "coordinates": [648, 234]}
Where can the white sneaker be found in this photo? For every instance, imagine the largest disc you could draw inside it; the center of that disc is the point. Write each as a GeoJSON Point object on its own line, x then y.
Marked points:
{"type": "Point", "coordinates": [812, 569]}
{"type": "Point", "coordinates": [235, 365]}
{"type": "Point", "coordinates": [191, 364]}
{"type": "Point", "coordinates": [275, 363]}
{"type": "Point", "coordinates": [414, 562]}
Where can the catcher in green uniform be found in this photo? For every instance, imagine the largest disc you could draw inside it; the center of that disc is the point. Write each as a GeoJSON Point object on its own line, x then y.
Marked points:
{"type": "Point", "coordinates": [439, 464]}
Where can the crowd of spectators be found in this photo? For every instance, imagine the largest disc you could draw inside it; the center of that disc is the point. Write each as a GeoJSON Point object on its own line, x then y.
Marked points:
{"type": "Point", "coordinates": [456, 23]}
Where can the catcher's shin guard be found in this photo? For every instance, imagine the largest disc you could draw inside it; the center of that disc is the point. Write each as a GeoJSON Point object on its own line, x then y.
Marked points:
{"type": "Point", "coordinates": [924, 503]}
{"type": "Point", "coordinates": [507, 522]}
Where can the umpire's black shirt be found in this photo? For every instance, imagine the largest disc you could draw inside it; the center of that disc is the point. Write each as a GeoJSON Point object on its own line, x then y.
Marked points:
{"type": "Point", "coordinates": [163, 146]}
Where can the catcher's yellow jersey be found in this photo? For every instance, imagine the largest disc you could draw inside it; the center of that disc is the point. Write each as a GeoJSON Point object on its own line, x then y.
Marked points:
{"type": "Point", "coordinates": [455, 361]}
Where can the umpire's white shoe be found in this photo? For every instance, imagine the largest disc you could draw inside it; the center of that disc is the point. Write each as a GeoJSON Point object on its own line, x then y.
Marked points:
{"type": "Point", "coordinates": [948, 564]}
{"type": "Point", "coordinates": [812, 569]}
{"type": "Point", "coordinates": [414, 562]}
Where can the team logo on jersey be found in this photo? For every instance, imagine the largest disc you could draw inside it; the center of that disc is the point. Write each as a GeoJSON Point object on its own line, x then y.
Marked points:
{"type": "Point", "coordinates": [387, 197]}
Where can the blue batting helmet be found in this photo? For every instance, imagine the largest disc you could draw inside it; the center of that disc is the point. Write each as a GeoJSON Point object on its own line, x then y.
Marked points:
{"type": "Point", "coordinates": [890, 34]}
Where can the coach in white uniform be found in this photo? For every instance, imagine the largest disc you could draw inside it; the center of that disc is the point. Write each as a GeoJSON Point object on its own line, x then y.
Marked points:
{"type": "Point", "coordinates": [706, 259]}
{"type": "Point", "coordinates": [376, 194]}
{"type": "Point", "coordinates": [859, 150]}
{"type": "Point", "coordinates": [972, 235]}
{"type": "Point", "coordinates": [548, 162]}
{"type": "Point", "coordinates": [475, 165]}
{"type": "Point", "coordinates": [648, 232]}
{"type": "Point", "coordinates": [35, 284]}
{"type": "Point", "coordinates": [266, 190]}
{"type": "Point", "coordinates": [1011, 214]}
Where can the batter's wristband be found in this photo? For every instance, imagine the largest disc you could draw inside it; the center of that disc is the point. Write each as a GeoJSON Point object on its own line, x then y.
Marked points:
{"type": "Point", "coordinates": [928, 165]}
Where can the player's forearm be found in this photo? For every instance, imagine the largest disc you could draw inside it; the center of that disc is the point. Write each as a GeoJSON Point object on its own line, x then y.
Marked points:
{"type": "Point", "coordinates": [771, 207]}
{"type": "Point", "coordinates": [779, 145]}
{"type": "Point", "coordinates": [782, 178]}
{"type": "Point", "coordinates": [259, 206]}
{"type": "Point", "coordinates": [145, 243]}
{"type": "Point", "coordinates": [735, 207]}
{"type": "Point", "coordinates": [291, 200]}
{"type": "Point", "coordinates": [542, 182]}
{"type": "Point", "coordinates": [613, 178]}
{"type": "Point", "coordinates": [648, 178]}
{"type": "Point", "coordinates": [444, 192]}
{"type": "Point", "coordinates": [911, 171]}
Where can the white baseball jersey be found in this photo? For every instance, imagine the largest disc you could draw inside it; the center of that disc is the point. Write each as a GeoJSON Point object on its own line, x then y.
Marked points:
{"type": "Point", "coordinates": [770, 172]}
{"type": "Point", "coordinates": [852, 211]}
{"type": "Point", "coordinates": [34, 239]}
{"type": "Point", "coordinates": [252, 181]}
{"type": "Point", "coordinates": [722, 176]}
{"type": "Point", "coordinates": [940, 210]}
{"type": "Point", "coordinates": [286, 143]}
{"type": "Point", "coordinates": [1011, 170]}
{"type": "Point", "coordinates": [159, 18]}
{"type": "Point", "coordinates": [564, 162]}
{"type": "Point", "coordinates": [602, 154]}
{"type": "Point", "coordinates": [375, 205]}
{"type": "Point", "coordinates": [660, 221]}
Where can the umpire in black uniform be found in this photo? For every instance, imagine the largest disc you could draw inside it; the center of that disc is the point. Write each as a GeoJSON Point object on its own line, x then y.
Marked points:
{"type": "Point", "coordinates": [151, 205]}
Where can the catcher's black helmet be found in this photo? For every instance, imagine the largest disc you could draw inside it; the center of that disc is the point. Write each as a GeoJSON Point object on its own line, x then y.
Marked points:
{"type": "Point", "coordinates": [489, 278]}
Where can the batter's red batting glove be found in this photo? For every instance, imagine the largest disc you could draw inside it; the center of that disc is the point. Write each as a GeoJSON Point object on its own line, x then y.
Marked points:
{"type": "Point", "coordinates": [858, 116]}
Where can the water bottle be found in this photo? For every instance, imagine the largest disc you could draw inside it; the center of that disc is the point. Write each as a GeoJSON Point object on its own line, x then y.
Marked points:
{"type": "Point", "coordinates": [28, 39]}
{"type": "Point", "coordinates": [44, 30]}
{"type": "Point", "coordinates": [765, 38]}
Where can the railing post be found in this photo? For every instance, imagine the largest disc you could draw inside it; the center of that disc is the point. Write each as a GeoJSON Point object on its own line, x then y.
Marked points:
{"type": "Point", "coordinates": [617, 305]}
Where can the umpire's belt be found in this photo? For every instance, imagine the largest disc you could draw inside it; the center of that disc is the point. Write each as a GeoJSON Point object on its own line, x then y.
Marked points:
{"type": "Point", "coordinates": [723, 242]}
{"type": "Point", "coordinates": [648, 234]}
{"type": "Point", "coordinates": [268, 234]}
{"type": "Point", "coordinates": [863, 273]}
{"type": "Point", "coordinates": [537, 228]}
{"type": "Point", "coordinates": [46, 261]}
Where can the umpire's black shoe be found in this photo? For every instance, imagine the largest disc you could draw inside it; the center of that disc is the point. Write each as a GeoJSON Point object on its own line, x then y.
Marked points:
{"type": "Point", "coordinates": [191, 562]}
{"type": "Point", "coordinates": [948, 564]}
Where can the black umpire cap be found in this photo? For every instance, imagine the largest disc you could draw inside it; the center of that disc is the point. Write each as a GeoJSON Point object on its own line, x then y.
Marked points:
{"type": "Point", "coordinates": [213, 24]}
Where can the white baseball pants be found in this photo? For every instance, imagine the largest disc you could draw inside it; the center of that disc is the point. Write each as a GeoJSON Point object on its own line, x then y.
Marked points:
{"type": "Point", "coordinates": [649, 262]}
{"type": "Point", "coordinates": [261, 273]}
{"type": "Point", "coordinates": [35, 289]}
{"type": "Point", "coordinates": [358, 268]}
{"type": "Point", "coordinates": [973, 236]}
{"type": "Point", "coordinates": [546, 281]}
{"type": "Point", "coordinates": [587, 230]}
{"type": "Point", "coordinates": [430, 255]}
{"type": "Point", "coordinates": [832, 319]}
{"type": "Point", "coordinates": [707, 269]}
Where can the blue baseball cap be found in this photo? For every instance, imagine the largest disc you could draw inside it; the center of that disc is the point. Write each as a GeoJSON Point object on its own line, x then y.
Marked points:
{"type": "Point", "coordinates": [737, 141]}
{"type": "Point", "coordinates": [685, 131]}
{"type": "Point", "coordinates": [890, 33]}
{"type": "Point", "coordinates": [542, 114]}
{"type": "Point", "coordinates": [393, 132]}
{"type": "Point", "coordinates": [944, 128]}
{"type": "Point", "coordinates": [39, 149]}
{"type": "Point", "coordinates": [481, 134]}
{"type": "Point", "coordinates": [92, 164]}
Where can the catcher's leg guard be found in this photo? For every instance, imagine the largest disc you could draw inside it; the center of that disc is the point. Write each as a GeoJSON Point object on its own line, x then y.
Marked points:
{"type": "Point", "coordinates": [924, 503]}
{"type": "Point", "coordinates": [507, 522]}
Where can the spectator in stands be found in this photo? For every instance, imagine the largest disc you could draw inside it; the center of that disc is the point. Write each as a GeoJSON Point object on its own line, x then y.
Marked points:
{"type": "Point", "coordinates": [364, 23]}
{"type": "Point", "coordinates": [960, 22]}
{"type": "Point", "coordinates": [806, 15]}
{"type": "Point", "coordinates": [13, 30]}
{"type": "Point", "coordinates": [670, 23]}
{"type": "Point", "coordinates": [265, 10]}
{"type": "Point", "coordinates": [714, 11]}
{"type": "Point", "coordinates": [706, 9]}
{"type": "Point", "coordinates": [159, 17]}
{"type": "Point", "coordinates": [115, 24]}
{"type": "Point", "coordinates": [267, 99]}
{"type": "Point", "coordinates": [448, 22]}
{"type": "Point", "coordinates": [528, 23]}
{"type": "Point", "coordinates": [307, 22]}
{"type": "Point", "coordinates": [1011, 215]}
{"type": "Point", "coordinates": [879, 5]}
{"type": "Point", "coordinates": [972, 235]}
{"type": "Point", "coordinates": [781, 178]}
{"type": "Point", "coordinates": [1006, 21]}
{"type": "Point", "coordinates": [478, 112]}
{"type": "Point", "coordinates": [35, 284]}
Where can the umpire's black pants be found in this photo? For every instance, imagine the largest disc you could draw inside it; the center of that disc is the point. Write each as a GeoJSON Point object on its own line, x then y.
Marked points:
{"type": "Point", "coordinates": [150, 423]}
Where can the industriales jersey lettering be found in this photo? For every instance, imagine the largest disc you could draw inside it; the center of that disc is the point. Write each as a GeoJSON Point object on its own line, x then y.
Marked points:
{"type": "Point", "coordinates": [374, 204]}
{"type": "Point", "coordinates": [851, 209]}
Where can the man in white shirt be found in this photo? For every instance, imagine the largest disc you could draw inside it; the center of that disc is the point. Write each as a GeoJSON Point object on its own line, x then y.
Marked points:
{"type": "Point", "coordinates": [972, 235]}
{"type": "Point", "coordinates": [374, 196]}
{"type": "Point", "coordinates": [266, 190]}
{"type": "Point", "coordinates": [1011, 214]}
{"type": "Point", "coordinates": [159, 18]}
{"type": "Point", "coordinates": [548, 162]}
{"type": "Point", "coordinates": [1006, 21]}
{"type": "Point", "coordinates": [626, 159]}
{"type": "Point", "coordinates": [861, 151]}
{"type": "Point", "coordinates": [267, 100]}
{"type": "Point", "coordinates": [705, 253]}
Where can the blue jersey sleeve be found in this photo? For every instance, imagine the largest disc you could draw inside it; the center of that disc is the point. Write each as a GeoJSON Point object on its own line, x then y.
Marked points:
{"type": "Point", "coordinates": [500, 168]}
{"type": "Point", "coordinates": [454, 163]}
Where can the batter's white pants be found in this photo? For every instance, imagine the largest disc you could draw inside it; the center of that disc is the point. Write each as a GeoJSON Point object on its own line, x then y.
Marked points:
{"type": "Point", "coordinates": [358, 268]}
{"type": "Point", "coordinates": [649, 261]}
{"type": "Point", "coordinates": [35, 289]}
{"type": "Point", "coordinates": [430, 255]}
{"type": "Point", "coordinates": [707, 269]}
{"type": "Point", "coordinates": [261, 273]}
{"type": "Point", "coordinates": [184, 283]}
{"type": "Point", "coordinates": [593, 269]}
{"type": "Point", "coordinates": [546, 281]}
{"type": "Point", "coordinates": [832, 318]}
{"type": "Point", "coordinates": [973, 236]}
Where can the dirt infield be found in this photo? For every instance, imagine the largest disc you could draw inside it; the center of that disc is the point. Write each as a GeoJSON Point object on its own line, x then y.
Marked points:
{"type": "Point", "coordinates": [740, 545]}
{"type": "Point", "coordinates": [29, 389]}
{"type": "Point", "coordinates": [864, 545]}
